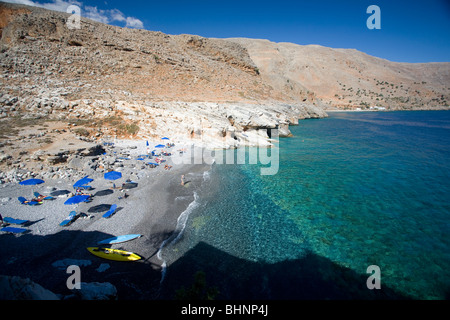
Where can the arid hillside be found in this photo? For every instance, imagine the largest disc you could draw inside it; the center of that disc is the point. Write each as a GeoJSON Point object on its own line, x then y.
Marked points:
{"type": "Point", "coordinates": [347, 78]}
{"type": "Point", "coordinates": [120, 82]}
{"type": "Point", "coordinates": [36, 44]}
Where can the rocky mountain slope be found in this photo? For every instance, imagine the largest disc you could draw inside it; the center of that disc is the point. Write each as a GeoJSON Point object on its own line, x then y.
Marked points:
{"type": "Point", "coordinates": [349, 79]}
{"type": "Point", "coordinates": [117, 82]}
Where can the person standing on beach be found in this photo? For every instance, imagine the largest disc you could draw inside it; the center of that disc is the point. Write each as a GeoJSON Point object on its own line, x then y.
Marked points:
{"type": "Point", "coordinates": [182, 179]}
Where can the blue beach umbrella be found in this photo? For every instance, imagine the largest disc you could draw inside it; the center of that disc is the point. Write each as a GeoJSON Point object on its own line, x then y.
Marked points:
{"type": "Point", "coordinates": [82, 182]}
{"type": "Point", "coordinates": [160, 146]}
{"type": "Point", "coordinates": [31, 182]}
{"type": "Point", "coordinates": [112, 175]}
{"type": "Point", "coordinates": [77, 199]}
{"type": "Point", "coordinates": [165, 138]}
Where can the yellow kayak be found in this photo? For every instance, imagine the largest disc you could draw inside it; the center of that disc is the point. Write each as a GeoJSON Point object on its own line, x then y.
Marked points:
{"type": "Point", "coordinates": [114, 254]}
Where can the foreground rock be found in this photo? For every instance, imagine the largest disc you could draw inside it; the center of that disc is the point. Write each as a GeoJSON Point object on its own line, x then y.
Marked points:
{"type": "Point", "coordinates": [16, 288]}
{"type": "Point", "coordinates": [96, 291]}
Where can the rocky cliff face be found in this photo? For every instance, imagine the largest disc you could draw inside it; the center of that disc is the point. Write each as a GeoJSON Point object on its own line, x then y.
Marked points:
{"type": "Point", "coordinates": [119, 82]}
{"type": "Point", "coordinates": [123, 82]}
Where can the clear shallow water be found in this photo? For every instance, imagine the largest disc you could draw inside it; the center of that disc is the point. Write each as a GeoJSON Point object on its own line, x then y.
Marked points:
{"type": "Point", "coordinates": [358, 189]}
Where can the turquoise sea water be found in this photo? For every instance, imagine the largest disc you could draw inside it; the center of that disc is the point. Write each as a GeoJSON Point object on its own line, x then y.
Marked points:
{"type": "Point", "coordinates": [354, 190]}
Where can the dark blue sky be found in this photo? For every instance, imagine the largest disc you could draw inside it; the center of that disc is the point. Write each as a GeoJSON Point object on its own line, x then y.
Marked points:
{"type": "Point", "coordinates": [411, 31]}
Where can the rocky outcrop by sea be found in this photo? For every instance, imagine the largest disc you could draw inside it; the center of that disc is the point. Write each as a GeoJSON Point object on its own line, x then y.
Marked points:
{"type": "Point", "coordinates": [111, 82]}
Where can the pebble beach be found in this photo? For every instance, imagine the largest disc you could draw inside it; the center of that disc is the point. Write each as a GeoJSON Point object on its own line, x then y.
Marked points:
{"type": "Point", "coordinates": [149, 206]}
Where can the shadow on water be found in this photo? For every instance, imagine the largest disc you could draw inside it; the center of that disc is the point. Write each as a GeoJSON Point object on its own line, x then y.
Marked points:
{"type": "Point", "coordinates": [310, 278]}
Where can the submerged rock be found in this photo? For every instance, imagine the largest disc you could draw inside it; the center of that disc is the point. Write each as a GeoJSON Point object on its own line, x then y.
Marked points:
{"type": "Point", "coordinates": [103, 267]}
{"type": "Point", "coordinates": [63, 264]}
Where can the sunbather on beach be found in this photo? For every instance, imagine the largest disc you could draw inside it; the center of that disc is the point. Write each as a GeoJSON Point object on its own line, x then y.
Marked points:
{"type": "Point", "coordinates": [123, 197]}
{"type": "Point", "coordinates": [34, 200]}
{"type": "Point", "coordinates": [114, 187]}
{"type": "Point", "coordinates": [39, 198]}
{"type": "Point", "coordinates": [80, 192]}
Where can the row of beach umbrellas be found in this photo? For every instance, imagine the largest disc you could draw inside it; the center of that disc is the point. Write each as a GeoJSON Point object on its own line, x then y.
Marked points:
{"type": "Point", "coordinates": [111, 175]}
{"type": "Point", "coordinates": [159, 145]}
{"type": "Point", "coordinates": [165, 138]}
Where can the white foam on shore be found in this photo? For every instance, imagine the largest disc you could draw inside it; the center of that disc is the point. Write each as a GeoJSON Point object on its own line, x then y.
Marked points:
{"type": "Point", "coordinates": [207, 175]}
{"type": "Point", "coordinates": [177, 234]}
{"type": "Point", "coordinates": [163, 270]}
{"type": "Point", "coordinates": [182, 219]}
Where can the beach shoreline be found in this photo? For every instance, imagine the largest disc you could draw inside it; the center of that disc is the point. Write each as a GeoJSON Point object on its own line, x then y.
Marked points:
{"type": "Point", "coordinates": [151, 209]}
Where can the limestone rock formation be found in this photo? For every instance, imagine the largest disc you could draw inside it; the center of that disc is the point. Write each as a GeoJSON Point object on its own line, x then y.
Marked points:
{"type": "Point", "coordinates": [118, 82]}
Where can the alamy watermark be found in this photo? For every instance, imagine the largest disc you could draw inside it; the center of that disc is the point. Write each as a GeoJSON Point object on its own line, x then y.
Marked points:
{"type": "Point", "coordinates": [261, 150]}
{"type": "Point", "coordinates": [374, 280]}
{"type": "Point", "coordinates": [73, 281]}
{"type": "Point", "coordinates": [267, 156]}
{"type": "Point", "coordinates": [74, 21]}
{"type": "Point", "coordinates": [374, 21]}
